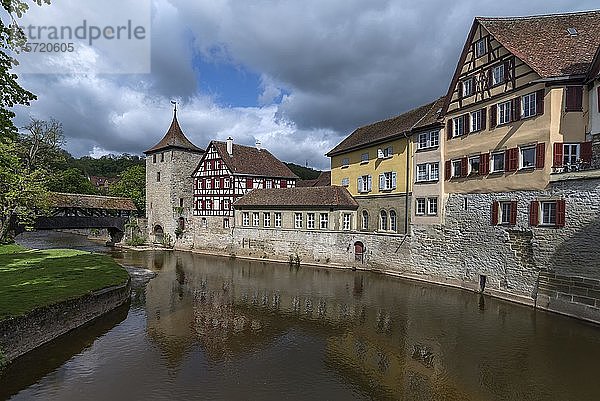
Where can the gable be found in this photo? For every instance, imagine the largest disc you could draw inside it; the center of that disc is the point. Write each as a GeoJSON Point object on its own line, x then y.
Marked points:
{"type": "Point", "coordinates": [211, 153]}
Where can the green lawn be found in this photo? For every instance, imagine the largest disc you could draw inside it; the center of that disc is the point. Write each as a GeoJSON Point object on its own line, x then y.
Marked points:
{"type": "Point", "coordinates": [34, 278]}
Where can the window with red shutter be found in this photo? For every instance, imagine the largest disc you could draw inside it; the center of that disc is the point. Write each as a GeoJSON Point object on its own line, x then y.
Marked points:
{"type": "Point", "coordinates": [534, 212]}
{"type": "Point", "coordinates": [586, 153]}
{"type": "Point", "coordinates": [449, 129]}
{"type": "Point", "coordinates": [483, 118]}
{"type": "Point", "coordinates": [560, 213]}
{"type": "Point", "coordinates": [484, 163]}
{"type": "Point", "coordinates": [283, 184]}
{"type": "Point", "coordinates": [507, 71]}
{"type": "Point", "coordinates": [249, 183]}
{"type": "Point", "coordinates": [516, 109]}
{"type": "Point", "coordinates": [558, 154]}
{"type": "Point", "coordinates": [539, 102]}
{"type": "Point", "coordinates": [540, 155]}
{"type": "Point", "coordinates": [493, 116]}
{"type": "Point", "coordinates": [495, 211]}
{"type": "Point", "coordinates": [574, 98]}
{"type": "Point", "coordinates": [448, 172]}
{"type": "Point", "coordinates": [464, 167]}
{"type": "Point", "coordinates": [513, 213]}
{"type": "Point", "coordinates": [513, 159]}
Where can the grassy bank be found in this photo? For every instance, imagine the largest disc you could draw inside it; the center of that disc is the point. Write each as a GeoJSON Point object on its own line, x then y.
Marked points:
{"type": "Point", "coordinates": [34, 278]}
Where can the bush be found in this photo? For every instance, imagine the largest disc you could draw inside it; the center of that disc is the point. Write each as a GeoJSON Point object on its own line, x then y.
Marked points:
{"type": "Point", "coordinates": [136, 240]}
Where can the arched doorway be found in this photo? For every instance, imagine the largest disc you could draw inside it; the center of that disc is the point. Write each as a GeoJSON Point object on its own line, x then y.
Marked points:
{"type": "Point", "coordinates": [359, 251]}
{"type": "Point", "coordinates": [159, 234]}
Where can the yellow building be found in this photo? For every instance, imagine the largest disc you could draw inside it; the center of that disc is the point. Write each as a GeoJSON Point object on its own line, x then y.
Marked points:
{"type": "Point", "coordinates": [375, 164]}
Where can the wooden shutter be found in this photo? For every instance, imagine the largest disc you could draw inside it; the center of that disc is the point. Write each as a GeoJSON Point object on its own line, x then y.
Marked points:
{"type": "Point", "coordinates": [558, 154]}
{"type": "Point", "coordinates": [460, 90]}
{"type": "Point", "coordinates": [516, 109]}
{"type": "Point", "coordinates": [449, 129]}
{"type": "Point", "coordinates": [586, 152]}
{"type": "Point", "coordinates": [448, 171]}
{"type": "Point", "coordinates": [513, 213]}
{"type": "Point", "coordinates": [483, 118]}
{"type": "Point", "coordinates": [359, 184]}
{"type": "Point", "coordinates": [513, 159]}
{"type": "Point", "coordinates": [464, 167]}
{"type": "Point", "coordinates": [540, 155]}
{"type": "Point", "coordinates": [484, 164]}
{"type": "Point", "coordinates": [466, 123]}
{"type": "Point", "coordinates": [493, 116]}
{"type": "Point", "coordinates": [490, 81]}
{"type": "Point", "coordinates": [283, 184]}
{"type": "Point", "coordinates": [222, 183]}
{"type": "Point", "coordinates": [534, 211]}
{"type": "Point", "coordinates": [539, 102]}
{"type": "Point", "coordinates": [507, 72]}
{"type": "Point", "coordinates": [249, 183]}
{"type": "Point", "coordinates": [394, 175]}
{"type": "Point", "coordinates": [560, 212]}
{"type": "Point", "coordinates": [574, 98]}
{"type": "Point", "coordinates": [598, 99]}
{"type": "Point", "coordinates": [381, 181]}
{"type": "Point", "coordinates": [495, 207]}
{"type": "Point", "coordinates": [369, 183]}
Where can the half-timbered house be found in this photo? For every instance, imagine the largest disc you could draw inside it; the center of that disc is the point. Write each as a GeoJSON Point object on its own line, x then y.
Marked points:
{"type": "Point", "coordinates": [228, 171]}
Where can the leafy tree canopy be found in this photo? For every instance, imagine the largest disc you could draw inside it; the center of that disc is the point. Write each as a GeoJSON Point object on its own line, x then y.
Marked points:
{"type": "Point", "coordinates": [132, 184]}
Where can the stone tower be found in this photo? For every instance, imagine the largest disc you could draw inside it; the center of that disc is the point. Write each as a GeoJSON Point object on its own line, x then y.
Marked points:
{"type": "Point", "coordinates": [169, 193]}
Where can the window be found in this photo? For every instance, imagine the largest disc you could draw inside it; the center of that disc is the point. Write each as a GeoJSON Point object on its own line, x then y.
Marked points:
{"type": "Point", "coordinates": [458, 126]}
{"type": "Point", "coordinates": [180, 202]}
{"type": "Point", "coordinates": [432, 206]}
{"type": "Point", "coordinates": [217, 183]}
{"type": "Point", "coordinates": [255, 219]}
{"type": "Point", "coordinates": [393, 221]}
{"type": "Point", "coordinates": [324, 221]}
{"type": "Point", "coordinates": [345, 182]}
{"type": "Point", "coordinates": [162, 157]}
{"type": "Point", "coordinates": [497, 162]}
{"type": "Point", "coordinates": [388, 152]}
{"type": "Point", "coordinates": [428, 140]}
{"type": "Point", "coordinates": [476, 118]}
{"type": "Point", "coordinates": [428, 172]}
{"type": "Point", "coordinates": [480, 47]}
{"type": "Point", "coordinates": [527, 159]}
{"type": "Point", "coordinates": [346, 222]}
{"type": "Point", "coordinates": [467, 87]}
{"type": "Point", "coordinates": [548, 213]}
{"type": "Point", "coordinates": [246, 219]}
{"type": "Point", "coordinates": [383, 223]}
{"type": "Point", "coordinates": [298, 220]}
{"type": "Point", "coordinates": [268, 184]}
{"type": "Point", "coordinates": [226, 204]}
{"type": "Point", "coordinates": [505, 212]}
{"type": "Point", "coordinates": [277, 219]}
{"type": "Point", "coordinates": [504, 113]}
{"type": "Point", "coordinates": [528, 105]}
{"type": "Point", "coordinates": [225, 223]}
{"type": "Point", "coordinates": [364, 158]}
{"type": "Point", "coordinates": [154, 158]}
{"type": "Point", "coordinates": [310, 220]}
{"type": "Point", "coordinates": [420, 206]}
{"type": "Point", "coordinates": [365, 220]}
{"type": "Point", "coordinates": [498, 74]}
{"type": "Point", "coordinates": [364, 183]}
{"type": "Point", "coordinates": [570, 154]}
{"type": "Point", "coordinates": [345, 162]}
{"type": "Point", "coordinates": [456, 168]}
{"type": "Point", "coordinates": [387, 181]}
{"type": "Point", "coordinates": [158, 177]}
{"type": "Point", "coordinates": [226, 182]}
{"type": "Point", "coordinates": [266, 219]}
{"type": "Point", "coordinates": [474, 165]}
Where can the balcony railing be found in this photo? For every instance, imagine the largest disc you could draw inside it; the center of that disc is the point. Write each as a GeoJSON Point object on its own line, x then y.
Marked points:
{"type": "Point", "coordinates": [580, 165]}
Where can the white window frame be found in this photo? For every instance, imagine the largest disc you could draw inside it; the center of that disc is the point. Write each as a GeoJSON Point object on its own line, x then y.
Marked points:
{"type": "Point", "coordinates": [492, 156]}
{"type": "Point", "coordinates": [472, 159]}
{"type": "Point", "coordinates": [310, 221]}
{"type": "Point", "coordinates": [480, 47]}
{"type": "Point", "coordinates": [364, 158]}
{"type": "Point", "coordinates": [431, 172]}
{"type": "Point", "coordinates": [458, 126]}
{"type": "Point", "coordinates": [498, 74]}
{"type": "Point", "coordinates": [504, 112]}
{"type": "Point", "coordinates": [456, 172]}
{"type": "Point", "coordinates": [345, 162]}
{"type": "Point", "coordinates": [420, 206]}
{"type": "Point", "coordinates": [504, 218]}
{"type": "Point", "coordinates": [324, 221]}
{"type": "Point", "coordinates": [345, 182]}
{"type": "Point", "coordinates": [467, 84]}
{"type": "Point", "coordinates": [266, 219]}
{"type": "Point", "coordinates": [297, 220]}
{"type": "Point", "coordinates": [246, 219]}
{"type": "Point", "coordinates": [522, 158]}
{"type": "Point", "coordinates": [432, 206]}
{"type": "Point", "coordinates": [217, 183]}
{"type": "Point", "coordinates": [528, 105]}
{"type": "Point", "coordinates": [278, 219]}
{"type": "Point", "coordinates": [255, 219]}
{"type": "Point", "coordinates": [365, 220]}
{"type": "Point", "coordinates": [476, 119]}
{"type": "Point", "coordinates": [347, 222]}
{"type": "Point", "coordinates": [393, 220]}
{"type": "Point", "coordinates": [268, 184]}
{"type": "Point", "coordinates": [383, 220]}
{"type": "Point", "coordinates": [388, 152]}
{"type": "Point", "coordinates": [364, 184]}
{"type": "Point", "coordinates": [387, 181]}
{"type": "Point", "coordinates": [546, 219]}
{"type": "Point", "coordinates": [428, 140]}
{"type": "Point", "coordinates": [226, 183]}
{"type": "Point", "coordinates": [569, 154]}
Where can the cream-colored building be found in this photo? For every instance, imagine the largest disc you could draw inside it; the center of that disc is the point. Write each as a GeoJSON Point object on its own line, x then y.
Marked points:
{"type": "Point", "coordinates": [593, 86]}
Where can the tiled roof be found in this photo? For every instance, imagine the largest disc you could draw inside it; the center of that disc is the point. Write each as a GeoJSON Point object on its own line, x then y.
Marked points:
{"type": "Point", "coordinates": [544, 44]}
{"type": "Point", "coordinates": [331, 196]}
{"type": "Point", "coordinates": [323, 180]}
{"type": "Point", "coordinates": [433, 116]}
{"type": "Point", "coordinates": [594, 71]}
{"type": "Point", "coordinates": [174, 138]}
{"type": "Point", "coordinates": [101, 181]}
{"type": "Point", "coordinates": [253, 161]}
{"type": "Point", "coordinates": [382, 130]}
{"type": "Point", "coordinates": [63, 200]}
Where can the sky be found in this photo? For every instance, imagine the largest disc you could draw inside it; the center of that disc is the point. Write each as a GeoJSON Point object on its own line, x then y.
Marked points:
{"type": "Point", "coordinates": [297, 75]}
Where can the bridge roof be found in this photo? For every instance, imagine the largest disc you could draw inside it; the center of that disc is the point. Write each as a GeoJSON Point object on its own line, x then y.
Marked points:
{"type": "Point", "coordinates": [63, 200]}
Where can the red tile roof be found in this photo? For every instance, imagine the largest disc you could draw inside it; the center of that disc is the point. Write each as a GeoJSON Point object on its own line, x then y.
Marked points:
{"type": "Point", "coordinates": [306, 197]}
{"type": "Point", "coordinates": [174, 138]}
{"type": "Point", "coordinates": [323, 180]}
{"type": "Point", "coordinates": [64, 200]}
{"type": "Point", "coordinates": [248, 160]}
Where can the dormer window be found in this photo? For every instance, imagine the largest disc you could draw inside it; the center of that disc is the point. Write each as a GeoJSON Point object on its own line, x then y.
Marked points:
{"type": "Point", "coordinates": [480, 47]}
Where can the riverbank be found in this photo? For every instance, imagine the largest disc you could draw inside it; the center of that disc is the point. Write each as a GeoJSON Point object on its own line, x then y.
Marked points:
{"type": "Point", "coordinates": [46, 293]}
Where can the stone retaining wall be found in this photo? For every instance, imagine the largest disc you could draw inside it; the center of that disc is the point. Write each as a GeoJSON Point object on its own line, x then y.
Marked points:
{"type": "Point", "coordinates": [22, 334]}
{"type": "Point", "coordinates": [576, 296]}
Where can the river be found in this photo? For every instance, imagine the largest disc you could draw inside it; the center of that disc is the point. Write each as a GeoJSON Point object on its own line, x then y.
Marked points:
{"type": "Point", "coordinates": [212, 328]}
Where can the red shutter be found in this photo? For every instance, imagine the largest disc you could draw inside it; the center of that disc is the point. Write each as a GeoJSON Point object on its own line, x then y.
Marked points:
{"type": "Point", "coordinates": [493, 116]}
{"type": "Point", "coordinates": [283, 184]}
{"type": "Point", "coordinates": [560, 213]}
{"type": "Point", "coordinates": [558, 154]}
{"type": "Point", "coordinates": [574, 98]}
{"type": "Point", "coordinates": [483, 118]}
{"type": "Point", "coordinates": [449, 129]}
{"type": "Point", "coordinates": [495, 205]}
{"type": "Point", "coordinates": [249, 183]}
{"type": "Point", "coordinates": [460, 89]}
{"type": "Point", "coordinates": [513, 159]}
{"type": "Point", "coordinates": [586, 152]}
{"type": "Point", "coordinates": [516, 109]}
{"type": "Point", "coordinates": [507, 71]}
{"type": "Point", "coordinates": [539, 102]}
{"type": "Point", "coordinates": [513, 213]}
{"type": "Point", "coordinates": [464, 167]}
{"type": "Point", "coordinates": [222, 183]}
{"type": "Point", "coordinates": [534, 211]}
{"type": "Point", "coordinates": [484, 164]}
{"type": "Point", "coordinates": [489, 77]}
{"type": "Point", "coordinates": [540, 155]}
{"type": "Point", "coordinates": [448, 170]}
{"type": "Point", "coordinates": [466, 123]}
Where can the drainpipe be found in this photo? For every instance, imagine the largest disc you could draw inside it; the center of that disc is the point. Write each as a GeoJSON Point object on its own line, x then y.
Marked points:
{"type": "Point", "coordinates": [408, 167]}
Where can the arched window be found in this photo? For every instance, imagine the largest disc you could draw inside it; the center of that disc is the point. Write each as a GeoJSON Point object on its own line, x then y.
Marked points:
{"type": "Point", "coordinates": [365, 220]}
{"type": "Point", "coordinates": [181, 224]}
{"type": "Point", "coordinates": [393, 221]}
{"type": "Point", "coordinates": [383, 223]}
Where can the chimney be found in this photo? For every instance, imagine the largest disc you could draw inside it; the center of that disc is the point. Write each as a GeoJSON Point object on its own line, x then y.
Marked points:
{"type": "Point", "coordinates": [230, 146]}
{"type": "Point", "coordinates": [258, 145]}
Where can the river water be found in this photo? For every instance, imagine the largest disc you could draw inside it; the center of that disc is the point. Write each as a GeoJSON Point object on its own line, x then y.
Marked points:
{"type": "Point", "coordinates": [211, 328]}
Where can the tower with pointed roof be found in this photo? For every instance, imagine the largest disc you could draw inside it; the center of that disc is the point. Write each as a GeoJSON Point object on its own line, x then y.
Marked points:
{"type": "Point", "coordinates": [169, 167]}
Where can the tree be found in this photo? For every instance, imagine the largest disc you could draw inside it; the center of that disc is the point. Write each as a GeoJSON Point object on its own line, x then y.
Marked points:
{"type": "Point", "coordinates": [132, 184]}
{"type": "Point", "coordinates": [22, 193]}
{"type": "Point", "coordinates": [71, 181]}
{"type": "Point", "coordinates": [12, 41]}
{"type": "Point", "coordinates": [41, 143]}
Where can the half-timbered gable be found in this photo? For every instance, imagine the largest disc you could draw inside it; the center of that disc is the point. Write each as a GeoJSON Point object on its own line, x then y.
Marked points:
{"type": "Point", "coordinates": [516, 103]}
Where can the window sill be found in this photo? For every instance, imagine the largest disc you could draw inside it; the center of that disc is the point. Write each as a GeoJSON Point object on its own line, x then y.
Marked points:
{"type": "Point", "coordinates": [427, 149]}
{"type": "Point", "coordinates": [526, 169]}
{"type": "Point", "coordinates": [345, 166]}
{"type": "Point", "coordinates": [499, 172]}
{"type": "Point", "coordinates": [427, 181]}
{"type": "Point", "coordinates": [364, 162]}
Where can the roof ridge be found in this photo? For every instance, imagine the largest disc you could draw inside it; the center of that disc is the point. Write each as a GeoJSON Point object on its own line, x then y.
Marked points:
{"type": "Point", "coordinates": [89, 195]}
{"type": "Point", "coordinates": [525, 17]}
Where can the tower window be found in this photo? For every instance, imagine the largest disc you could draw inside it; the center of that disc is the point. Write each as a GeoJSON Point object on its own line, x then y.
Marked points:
{"type": "Point", "coordinates": [158, 176]}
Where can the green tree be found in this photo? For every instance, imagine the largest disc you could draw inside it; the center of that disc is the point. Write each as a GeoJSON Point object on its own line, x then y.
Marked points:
{"type": "Point", "coordinates": [132, 184]}
{"type": "Point", "coordinates": [71, 181]}
{"type": "Point", "coordinates": [40, 144]}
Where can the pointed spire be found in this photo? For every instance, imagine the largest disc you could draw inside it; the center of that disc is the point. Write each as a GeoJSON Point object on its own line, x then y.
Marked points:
{"type": "Point", "coordinates": [174, 138]}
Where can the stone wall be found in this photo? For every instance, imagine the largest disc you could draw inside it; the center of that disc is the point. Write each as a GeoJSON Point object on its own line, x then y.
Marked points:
{"type": "Point", "coordinates": [22, 334]}
{"type": "Point", "coordinates": [375, 204]}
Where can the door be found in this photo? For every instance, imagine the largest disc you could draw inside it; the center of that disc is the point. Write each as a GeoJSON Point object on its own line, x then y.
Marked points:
{"type": "Point", "coordinates": [359, 250]}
